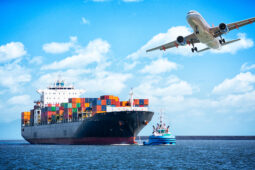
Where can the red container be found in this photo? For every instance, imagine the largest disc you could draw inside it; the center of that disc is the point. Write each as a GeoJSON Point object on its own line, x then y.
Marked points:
{"type": "Point", "coordinates": [49, 105]}
{"type": "Point", "coordinates": [57, 105]}
{"type": "Point", "coordinates": [136, 101]}
{"type": "Point", "coordinates": [103, 102]}
{"type": "Point", "coordinates": [113, 102]}
{"type": "Point", "coordinates": [146, 101]}
{"type": "Point", "coordinates": [70, 110]}
{"type": "Point", "coordinates": [82, 100]}
{"type": "Point", "coordinates": [141, 105]}
{"type": "Point", "coordinates": [74, 105]}
{"type": "Point", "coordinates": [117, 103]}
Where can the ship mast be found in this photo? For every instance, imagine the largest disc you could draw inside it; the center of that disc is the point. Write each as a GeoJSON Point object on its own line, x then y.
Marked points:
{"type": "Point", "coordinates": [131, 98]}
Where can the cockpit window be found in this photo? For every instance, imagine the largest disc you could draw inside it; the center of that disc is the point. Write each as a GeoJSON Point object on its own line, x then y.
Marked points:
{"type": "Point", "coordinates": [192, 12]}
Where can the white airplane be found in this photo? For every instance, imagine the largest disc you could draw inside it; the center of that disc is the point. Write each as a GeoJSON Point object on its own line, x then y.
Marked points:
{"type": "Point", "coordinates": [203, 33]}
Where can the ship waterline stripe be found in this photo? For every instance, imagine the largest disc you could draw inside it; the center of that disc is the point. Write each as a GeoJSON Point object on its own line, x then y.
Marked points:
{"type": "Point", "coordinates": [85, 141]}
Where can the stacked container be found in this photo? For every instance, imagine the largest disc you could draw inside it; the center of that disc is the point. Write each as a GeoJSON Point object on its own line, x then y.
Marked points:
{"type": "Point", "coordinates": [79, 108]}
{"type": "Point", "coordinates": [25, 118]}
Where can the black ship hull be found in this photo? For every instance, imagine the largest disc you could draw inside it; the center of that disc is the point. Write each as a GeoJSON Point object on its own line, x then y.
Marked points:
{"type": "Point", "coordinates": [103, 128]}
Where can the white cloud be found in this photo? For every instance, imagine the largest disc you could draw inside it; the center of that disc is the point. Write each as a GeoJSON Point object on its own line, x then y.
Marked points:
{"type": "Point", "coordinates": [36, 60]}
{"type": "Point", "coordinates": [244, 43]}
{"type": "Point", "coordinates": [246, 67]}
{"type": "Point", "coordinates": [70, 76]}
{"type": "Point", "coordinates": [13, 76]}
{"type": "Point", "coordinates": [94, 52]}
{"type": "Point", "coordinates": [96, 80]}
{"type": "Point", "coordinates": [20, 100]}
{"type": "Point", "coordinates": [159, 66]}
{"type": "Point", "coordinates": [56, 47]}
{"type": "Point", "coordinates": [84, 20]}
{"type": "Point", "coordinates": [163, 91]}
{"type": "Point", "coordinates": [130, 66]}
{"type": "Point", "coordinates": [243, 82]}
{"type": "Point", "coordinates": [238, 102]}
{"type": "Point", "coordinates": [14, 106]}
{"type": "Point", "coordinates": [11, 51]}
{"type": "Point", "coordinates": [106, 82]}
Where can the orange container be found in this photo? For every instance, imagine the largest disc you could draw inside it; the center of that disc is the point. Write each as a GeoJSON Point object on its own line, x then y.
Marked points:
{"type": "Point", "coordinates": [87, 104]}
{"type": "Point", "coordinates": [61, 112]}
{"type": "Point", "coordinates": [78, 100]}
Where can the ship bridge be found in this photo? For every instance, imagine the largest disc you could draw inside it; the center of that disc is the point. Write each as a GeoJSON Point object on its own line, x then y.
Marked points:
{"type": "Point", "coordinates": [58, 93]}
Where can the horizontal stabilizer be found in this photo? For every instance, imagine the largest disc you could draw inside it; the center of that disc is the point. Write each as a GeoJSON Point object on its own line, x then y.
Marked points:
{"type": "Point", "coordinates": [232, 41]}
{"type": "Point", "coordinates": [226, 43]}
{"type": "Point", "coordinates": [203, 50]}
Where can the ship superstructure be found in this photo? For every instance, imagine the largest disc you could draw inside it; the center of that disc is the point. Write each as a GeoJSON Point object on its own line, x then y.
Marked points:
{"type": "Point", "coordinates": [58, 93]}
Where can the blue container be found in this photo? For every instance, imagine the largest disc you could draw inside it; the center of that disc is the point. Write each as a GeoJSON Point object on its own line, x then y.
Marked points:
{"type": "Point", "coordinates": [97, 102]}
{"type": "Point", "coordinates": [90, 100]}
{"type": "Point", "coordinates": [48, 108]}
{"type": "Point", "coordinates": [141, 101]}
{"type": "Point", "coordinates": [57, 108]}
{"type": "Point", "coordinates": [108, 101]}
{"type": "Point", "coordinates": [103, 108]}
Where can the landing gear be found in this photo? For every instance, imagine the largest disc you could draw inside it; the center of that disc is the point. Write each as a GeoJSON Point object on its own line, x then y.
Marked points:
{"type": "Point", "coordinates": [222, 40]}
{"type": "Point", "coordinates": [193, 49]}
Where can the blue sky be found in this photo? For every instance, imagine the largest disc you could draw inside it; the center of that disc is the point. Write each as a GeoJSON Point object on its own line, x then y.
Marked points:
{"type": "Point", "coordinates": [100, 46]}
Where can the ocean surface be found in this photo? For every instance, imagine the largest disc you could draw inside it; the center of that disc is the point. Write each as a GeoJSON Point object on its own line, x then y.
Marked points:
{"type": "Point", "coordinates": [187, 154]}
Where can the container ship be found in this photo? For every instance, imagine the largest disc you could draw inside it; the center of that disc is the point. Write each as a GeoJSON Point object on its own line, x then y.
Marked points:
{"type": "Point", "coordinates": [61, 116]}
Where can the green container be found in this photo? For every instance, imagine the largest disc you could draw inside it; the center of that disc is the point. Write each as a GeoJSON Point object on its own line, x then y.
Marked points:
{"type": "Point", "coordinates": [74, 110]}
{"type": "Point", "coordinates": [78, 105]}
{"type": "Point", "coordinates": [53, 109]}
{"type": "Point", "coordinates": [62, 105]}
{"type": "Point", "coordinates": [69, 105]}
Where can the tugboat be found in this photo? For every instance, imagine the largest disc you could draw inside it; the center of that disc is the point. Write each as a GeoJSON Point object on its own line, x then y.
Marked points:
{"type": "Point", "coordinates": [161, 135]}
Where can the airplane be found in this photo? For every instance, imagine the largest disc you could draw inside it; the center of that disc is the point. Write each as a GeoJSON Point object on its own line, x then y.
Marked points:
{"type": "Point", "coordinates": [204, 33]}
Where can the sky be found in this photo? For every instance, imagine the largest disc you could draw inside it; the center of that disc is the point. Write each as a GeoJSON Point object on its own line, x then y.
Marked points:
{"type": "Point", "coordinates": [99, 46]}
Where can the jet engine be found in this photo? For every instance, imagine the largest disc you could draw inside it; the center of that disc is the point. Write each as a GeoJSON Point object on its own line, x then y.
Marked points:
{"type": "Point", "coordinates": [223, 28]}
{"type": "Point", "coordinates": [181, 40]}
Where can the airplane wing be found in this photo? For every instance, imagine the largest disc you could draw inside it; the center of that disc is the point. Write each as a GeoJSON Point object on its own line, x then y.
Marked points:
{"type": "Point", "coordinates": [232, 26]}
{"type": "Point", "coordinates": [189, 39]}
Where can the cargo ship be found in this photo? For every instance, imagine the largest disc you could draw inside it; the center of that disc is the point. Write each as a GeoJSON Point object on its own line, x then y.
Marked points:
{"type": "Point", "coordinates": [61, 116]}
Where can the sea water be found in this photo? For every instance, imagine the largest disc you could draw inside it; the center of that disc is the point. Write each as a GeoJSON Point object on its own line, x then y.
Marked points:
{"type": "Point", "coordinates": [186, 154]}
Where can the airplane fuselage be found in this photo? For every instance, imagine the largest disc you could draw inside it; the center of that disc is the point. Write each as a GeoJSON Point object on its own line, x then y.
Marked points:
{"type": "Point", "coordinates": [202, 30]}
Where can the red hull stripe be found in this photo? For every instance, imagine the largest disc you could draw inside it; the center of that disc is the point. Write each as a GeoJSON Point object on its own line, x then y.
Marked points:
{"type": "Point", "coordinates": [85, 141]}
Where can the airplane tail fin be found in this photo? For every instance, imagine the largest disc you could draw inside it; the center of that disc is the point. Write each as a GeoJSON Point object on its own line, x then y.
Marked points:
{"type": "Point", "coordinates": [226, 43]}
